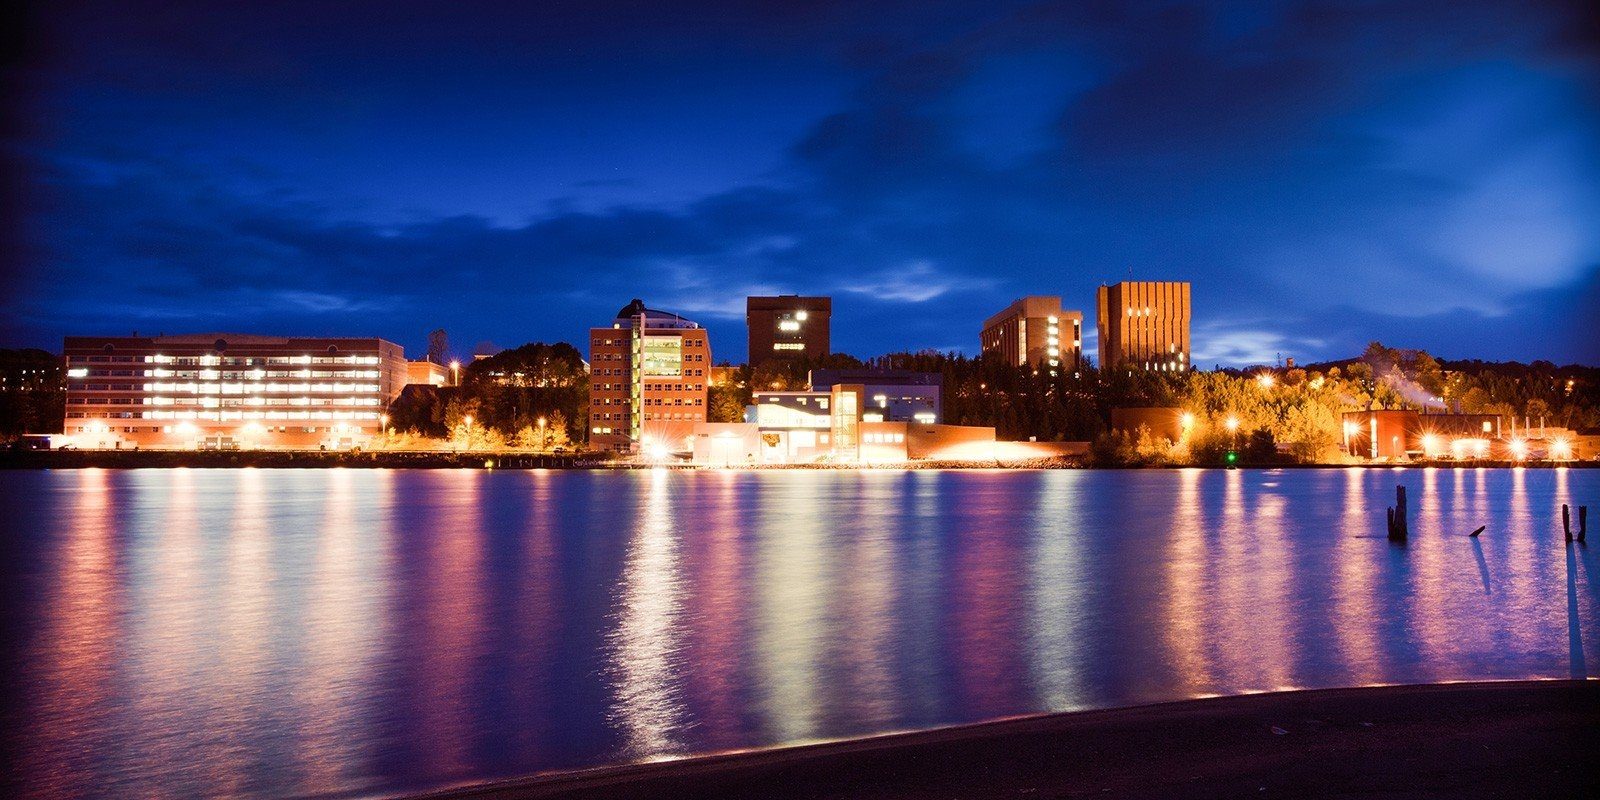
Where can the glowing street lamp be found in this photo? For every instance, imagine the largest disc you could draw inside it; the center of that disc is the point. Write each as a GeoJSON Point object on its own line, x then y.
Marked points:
{"type": "Point", "coordinates": [1266, 380]}
{"type": "Point", "coordinates": [1560, 449]}
{"type": "Point", "coordinates": [544, 443]}
{"type": "Point", "coordinates": [1187, 421]}
{"type": "Point", "coordinates": [1232, 424]}
{"type": "Point", "coordinates": [383, 423]}
{"type": "Point", "coordinates": [1519, 449]}
{"type": "Point", "coordinates": [455, 373]}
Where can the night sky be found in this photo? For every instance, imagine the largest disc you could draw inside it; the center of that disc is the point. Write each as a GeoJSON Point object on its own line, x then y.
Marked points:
{"type": "Point", "coordinates": [1427, 174]}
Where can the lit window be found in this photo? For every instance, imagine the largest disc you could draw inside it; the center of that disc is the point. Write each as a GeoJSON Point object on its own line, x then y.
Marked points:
{"type": "Point", "coordinates": [800, 315]}
{"type": "Point", "coordinates": [789, 346]}
{"type": "Point", "coordinates": [788, 325]}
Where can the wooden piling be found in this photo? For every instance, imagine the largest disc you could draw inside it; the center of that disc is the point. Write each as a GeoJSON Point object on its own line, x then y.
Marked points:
{"type": "Point", "coordinates": [1398, 530]}
{"type": "Point", "coordinates": [1475, 533]}
{"type": "Point", "coordinates": [1566, 522]}
{"type": "Point", "coordinates": [1583, 522]}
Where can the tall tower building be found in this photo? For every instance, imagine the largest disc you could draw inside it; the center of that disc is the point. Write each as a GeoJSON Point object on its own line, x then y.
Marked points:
{"type": "Point", "coordinates": [788, 327]}
{"type": "Point", "coordinates": [1144, 325]}
{"type": "Point", "coordinates": [1034, 331]}
{"type": "Point", "coordinates": [648, 373]}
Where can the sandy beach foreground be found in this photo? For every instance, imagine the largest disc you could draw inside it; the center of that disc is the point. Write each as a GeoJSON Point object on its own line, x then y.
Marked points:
{"type": "Point", "coordinates": [1534, 739]}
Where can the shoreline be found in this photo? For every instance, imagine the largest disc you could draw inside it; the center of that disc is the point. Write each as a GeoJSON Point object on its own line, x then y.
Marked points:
{"type": "Point", "coordinates": [1479, 739]}
{"type": "Point", "coordinates": [312, 459]}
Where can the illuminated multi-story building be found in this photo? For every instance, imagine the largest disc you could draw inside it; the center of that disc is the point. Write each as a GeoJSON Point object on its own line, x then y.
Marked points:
{"type": "Point", "coordinates": [1144, 325]}
{"type": "Point", "coordinates": [228, 391]}
{"type": "Point", "coordinates": [1034, 331]}
{"type": "Point", "coordinates": [648, 373]}
{"type": "Point", "coordinates": [787, 327]}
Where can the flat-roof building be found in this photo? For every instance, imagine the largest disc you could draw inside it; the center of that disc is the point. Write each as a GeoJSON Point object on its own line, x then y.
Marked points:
{"type": "Point", "coordinates": [1144, 325]}
{"type": "Point", "coordinates": [648, 373]}
{"type": "Point", "coordinates": [788, 327]}
{"type": "Point", "coordinates": [228, 391]}
{"type": "Point", "coordinates": [1035, 331]}
{"type": "Point", "coordinates": [887, 395]}
{"type": "Point", "coordinates": [426, 372]}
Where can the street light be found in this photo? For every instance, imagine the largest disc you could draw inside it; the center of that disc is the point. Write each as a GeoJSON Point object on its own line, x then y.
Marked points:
{"type": "Point", "coordinates": [544, 444]}
{"type": "Point", "coordinates": [1232, 424]}
{"type": "Point", "coordinates": [455, 373]}
{"type": "Point", "coordinates": [383, 424]}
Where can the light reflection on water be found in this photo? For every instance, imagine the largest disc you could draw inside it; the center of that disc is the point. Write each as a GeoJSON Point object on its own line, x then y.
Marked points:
{"type": "Point", "coordinates": [297, 633]}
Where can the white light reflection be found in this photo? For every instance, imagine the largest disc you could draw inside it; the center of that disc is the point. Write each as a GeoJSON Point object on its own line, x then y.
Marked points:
{"type": "Point", "coordinates": [644, 645]}
{"type": "Point", "coordinates": [1056, 594]}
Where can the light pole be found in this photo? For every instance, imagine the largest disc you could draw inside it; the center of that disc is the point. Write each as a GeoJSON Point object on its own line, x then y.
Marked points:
{"type": "Point", "coordinates": [544, 443]}
{"type": "Point", "coordinates": [1233, 432]}
{"type": "Point", "coordinates": [455, 373]}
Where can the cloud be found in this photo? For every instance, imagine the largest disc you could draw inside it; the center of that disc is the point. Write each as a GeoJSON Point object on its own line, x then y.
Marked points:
{"type": "Point", "coordinates": [1324, 177]}
{"type": "Point", "coordinates": [917, 282]}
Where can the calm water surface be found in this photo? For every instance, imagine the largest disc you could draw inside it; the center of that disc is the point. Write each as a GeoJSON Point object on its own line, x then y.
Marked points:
{"type": "Point", "coordinates": [268, 633]}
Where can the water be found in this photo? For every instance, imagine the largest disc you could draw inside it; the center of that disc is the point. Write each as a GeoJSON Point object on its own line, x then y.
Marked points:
{"type": "Point", "coordinates": [267, 633]}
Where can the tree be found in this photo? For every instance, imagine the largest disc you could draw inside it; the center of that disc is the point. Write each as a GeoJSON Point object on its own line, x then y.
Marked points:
{"type": "Point", "coordinates": [726, 405]}
{"type": "Point", "coordinates": [439, 347]}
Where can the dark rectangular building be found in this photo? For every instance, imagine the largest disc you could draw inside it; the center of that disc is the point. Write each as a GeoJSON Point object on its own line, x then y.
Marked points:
{"type": "Point", "coordinates": [788, 327]}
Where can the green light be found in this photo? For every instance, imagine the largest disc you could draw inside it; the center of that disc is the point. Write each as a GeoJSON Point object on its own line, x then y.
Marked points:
{"type": "Point", "coordinates": [1232, 457]}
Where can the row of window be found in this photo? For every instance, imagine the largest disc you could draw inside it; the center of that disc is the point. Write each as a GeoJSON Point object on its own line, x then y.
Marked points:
{"type": "Point", "coordinates": [680, 417]}
{"type": "Point", "coordinates": [224, 375]}
{"type": "Point", "coordinates": [674, 401]}
{"type": "Point", "coordinates": [231, 361]}
{"type": "Point", "coordinates": [175, 429]}
{"type": "Point", "coordinates": [215, 402]}
{"type": "Point", "coordinates": [883, 438]}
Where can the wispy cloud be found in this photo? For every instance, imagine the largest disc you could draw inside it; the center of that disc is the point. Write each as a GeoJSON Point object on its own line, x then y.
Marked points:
{"type": "Point", "coordinates": [917, 282]}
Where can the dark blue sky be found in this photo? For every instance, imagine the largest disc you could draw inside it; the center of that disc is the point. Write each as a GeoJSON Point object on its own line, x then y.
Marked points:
{"type": "Point", "coordinates": [1427, 174]}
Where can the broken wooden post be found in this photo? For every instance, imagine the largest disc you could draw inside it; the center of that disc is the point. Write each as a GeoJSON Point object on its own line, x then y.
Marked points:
{"type": "Point", "coordinates": [1397, 516]}
{"type": "Point", "coordinates": [1583, 522]}
{"type": "Point", "coordinates": [1475, 533]}
{"type": "Point", "coordinates": [1566, 522]}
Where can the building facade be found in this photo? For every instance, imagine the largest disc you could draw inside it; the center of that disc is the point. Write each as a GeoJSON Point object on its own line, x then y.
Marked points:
{"type": "Point", "coordinates": [426, 372]}
{"type": "Point", "coordinates": [788, 327]}
{"type": "Point", "coordinates": [648, 374]}
{"type": "Point", "coordinates": [839, 425]}
{"type": "Point", "coordinates": [1144, 325]}
{"type": "Point", "coordinates": [1034, 331]}
{"type": "Point", "coordinates": [888, 395]}
{"type": "Point", "coordinates": [228, 391]}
